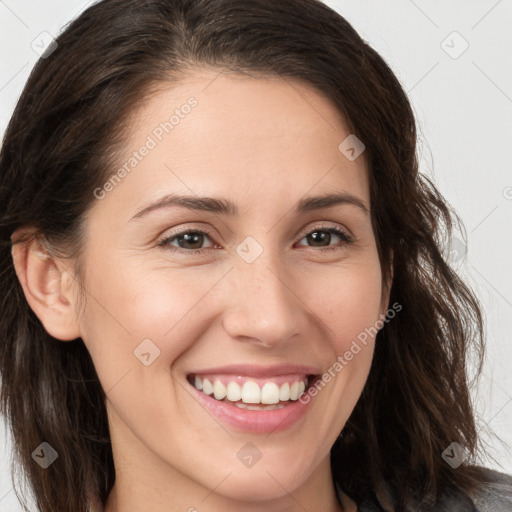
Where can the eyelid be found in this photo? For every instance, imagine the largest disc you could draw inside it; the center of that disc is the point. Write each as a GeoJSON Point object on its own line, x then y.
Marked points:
{"type": "Point", "coordinates": [186, 229]}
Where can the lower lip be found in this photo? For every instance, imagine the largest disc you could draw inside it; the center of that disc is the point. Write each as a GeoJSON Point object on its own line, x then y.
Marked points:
{"type": "Point", "coordinates": [275, 420]}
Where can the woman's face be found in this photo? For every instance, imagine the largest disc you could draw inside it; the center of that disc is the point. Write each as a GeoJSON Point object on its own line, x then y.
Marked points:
{"type": "Point", "coordinates": [262, 293]}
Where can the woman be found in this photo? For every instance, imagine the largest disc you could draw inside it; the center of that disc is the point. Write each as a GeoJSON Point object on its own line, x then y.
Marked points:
{"type": "Point", "coordinates": [224, 285]}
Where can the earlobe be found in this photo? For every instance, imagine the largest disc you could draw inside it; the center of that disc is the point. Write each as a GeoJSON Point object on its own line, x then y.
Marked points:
{"type": "Point", "coordinates": [48, 288]}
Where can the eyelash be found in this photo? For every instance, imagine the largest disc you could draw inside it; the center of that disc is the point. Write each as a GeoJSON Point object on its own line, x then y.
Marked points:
{"type": "Point", "coordinates": [164, 242]}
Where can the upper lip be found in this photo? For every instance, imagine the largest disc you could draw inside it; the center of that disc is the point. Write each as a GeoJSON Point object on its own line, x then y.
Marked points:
{"type": "Point", "coordinates": [256, 371]}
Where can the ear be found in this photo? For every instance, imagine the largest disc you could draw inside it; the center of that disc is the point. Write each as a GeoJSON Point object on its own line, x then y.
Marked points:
{"type": "Point", "coordinates": [47, 284]}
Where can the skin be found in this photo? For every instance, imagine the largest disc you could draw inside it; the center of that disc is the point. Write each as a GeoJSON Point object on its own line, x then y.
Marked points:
{"type": "Point", "coordinates": [264, 144]}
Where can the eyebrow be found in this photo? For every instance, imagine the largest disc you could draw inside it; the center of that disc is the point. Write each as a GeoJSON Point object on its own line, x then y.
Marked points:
{"type": "Point", "coordinates": [227, 207]}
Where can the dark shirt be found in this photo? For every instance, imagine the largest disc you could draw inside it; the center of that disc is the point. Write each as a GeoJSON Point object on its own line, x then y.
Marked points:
{"type": "Point", "coordinates": [494, 495]}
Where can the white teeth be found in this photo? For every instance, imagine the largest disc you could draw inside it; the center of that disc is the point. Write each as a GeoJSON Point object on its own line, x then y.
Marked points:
{"type": "Point", "coordinates": [219, 390]}
{"type": "Point", "coordinates": [207, 387]}
{"type": "Point", "coordinates": [270, 393]}
{"type": "Point", "coordinates": [294, 391]}
{"type": "Point", "coordinates": [234, 392]}
{"type": "Point", "coordinates": [250, 393]}
{"type": "Point", "coordinates": [260, 407]}
{"type": "Point", "coordinates": [284, 392]}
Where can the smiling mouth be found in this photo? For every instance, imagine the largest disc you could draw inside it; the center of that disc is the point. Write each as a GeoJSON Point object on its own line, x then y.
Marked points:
{"type": "Point", "coordinates": [253, 394]}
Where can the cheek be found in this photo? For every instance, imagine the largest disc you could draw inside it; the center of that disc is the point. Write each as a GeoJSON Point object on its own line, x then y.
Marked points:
{"type": "Point", "coordinates": [139, 303]}
{"type": "Point", "coordinates": [348, 302]}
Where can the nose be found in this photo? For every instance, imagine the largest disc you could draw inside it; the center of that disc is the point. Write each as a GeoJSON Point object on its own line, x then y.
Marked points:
{"type": "Point", "coordinates": [263, 306]}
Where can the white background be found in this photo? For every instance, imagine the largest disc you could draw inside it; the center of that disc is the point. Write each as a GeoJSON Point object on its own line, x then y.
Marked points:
{"type": "Point", "coordinates": [464, 111]}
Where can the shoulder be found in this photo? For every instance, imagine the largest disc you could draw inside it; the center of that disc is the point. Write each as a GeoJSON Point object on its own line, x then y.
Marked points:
{"type": "Point", "coordinates": [494, 494]}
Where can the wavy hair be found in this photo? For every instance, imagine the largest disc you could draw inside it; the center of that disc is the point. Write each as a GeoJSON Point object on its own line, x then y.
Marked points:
{"type": "Point", "coordinates": [60, 145]}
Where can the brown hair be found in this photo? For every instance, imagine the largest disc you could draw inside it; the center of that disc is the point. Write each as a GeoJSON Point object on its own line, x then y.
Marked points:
{"type": "Point", "coordinates": [59, 147]}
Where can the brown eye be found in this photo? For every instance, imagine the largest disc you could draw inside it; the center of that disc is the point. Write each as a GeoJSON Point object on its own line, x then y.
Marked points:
{"type": "Point", "coordinates": [191, 241]}
{"type": "Point", "coordinates": [322, 238]}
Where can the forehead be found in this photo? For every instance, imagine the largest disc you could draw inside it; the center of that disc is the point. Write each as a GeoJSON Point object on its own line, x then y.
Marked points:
{"type": "Point", "coordinates": [214, 133]}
